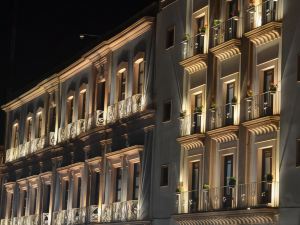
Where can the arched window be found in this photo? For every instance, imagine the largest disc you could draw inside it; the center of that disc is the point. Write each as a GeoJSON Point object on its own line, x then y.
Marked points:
{"type": "Point", "coordinates": [15, 135]}
{"type": "Point", "coordinates": [82, 101]}
{"type": "Point", "coordinates": [39, 123]}
{"type": "Point", "coordinates": [139, 73]}
{"type": "Point", "coordinates": [29, 128]}
{"type": "Point", "coordinates": [70, 108]}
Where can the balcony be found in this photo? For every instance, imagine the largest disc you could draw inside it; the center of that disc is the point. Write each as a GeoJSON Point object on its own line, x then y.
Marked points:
{"type": "Point", "coordinates": [25, 220]}
{"type": "Point", "coordinates": [225, 31]}
{"type": "Point", "coordinates": [120, 211]}
{"type": "Point", "coordinates": [222, 116]}
{"type": "Point", "coordinates": [125, 108]}
{"type": "Point", "coordinates": [25, 149]}
{"type": "Point", "coordinates": [265, 104]}
{"type": "Point", "coordinates": [259, 15]}
{"type": "Point", "coordinates": [242, 196]}
{"type": "Point", "coordinates": [192, 124]}
{"type": "Point", "coordinates": [194, 45]}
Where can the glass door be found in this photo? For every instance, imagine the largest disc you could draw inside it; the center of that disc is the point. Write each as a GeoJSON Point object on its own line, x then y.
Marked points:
{"type": "Point", "coordinates": [229, 110]}
{"type": "Point", "coordinates": [266, 176]}
{"type": "Point", "coordinates": [267, 95]}
{"type": "Point", "coordinates": [228, 174]}
{"type": "Point", "coordinates": [194, 193]}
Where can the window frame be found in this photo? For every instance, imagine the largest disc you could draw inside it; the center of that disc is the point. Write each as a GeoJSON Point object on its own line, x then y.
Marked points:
{"type": "Point", "coordinates": [162, 182]}
{"type": "Point", "coordinates": [170, 45]}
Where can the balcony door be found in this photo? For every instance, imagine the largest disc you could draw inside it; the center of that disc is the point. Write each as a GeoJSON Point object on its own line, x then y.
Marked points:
{"type": "Point", "coordinates": [197, 113]}
{"type": "Point", "coordinates": [269, 8]}
{"type": "Point", "coordinates": [266, 185]}
{"type": "Point", "coordinates": [200, 34]}
{"type": "Point", "coordinates": [267, 96]}
{"type": "Point", "coordinates": [101, 95]}
{"type": "Point", "coordinates": [229, 110]}
{"type": "Point", "coordinates": [194, 187]}
{"type": "Point", "coordinates": [232, 20]}
{"type": "Point", "coordinates": [227, 188]}
{"type": "Point", "coordinates": [118, 185]}
{"type": "Point", "coordinates": [122, 86]}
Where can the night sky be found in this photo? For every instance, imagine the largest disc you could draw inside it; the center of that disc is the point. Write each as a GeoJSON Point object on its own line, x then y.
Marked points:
{"type": "Point", "coordinates": [39, 38]}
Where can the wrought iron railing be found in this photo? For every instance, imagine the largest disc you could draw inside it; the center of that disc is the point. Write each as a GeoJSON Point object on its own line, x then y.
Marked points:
{"type": "Point", "coordinates": [194, 45]}
{"type": "Point", "coordinates": [45, 219]}
{"type": "Point", "coordinates": [265, 104]}
{"type": "Point", "coordinates": [242, 196]}
{"type": "Point", "coordinates": [60, 218]}
{"type": "Point", "coordinates": [192, 124]}
{"type": "Point", "coordinates": [258, 15]}
{"type": "Point", "coordinates": [225, 31]}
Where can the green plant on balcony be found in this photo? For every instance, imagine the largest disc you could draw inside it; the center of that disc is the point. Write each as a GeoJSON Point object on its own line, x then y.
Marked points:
{"type": "Point", "coordinates": [213, 106]}
{"type": "Point", "coordinates": [269, 178]}
{"type": "Point", "coordinates": [202, 30]}
{"type": "Point", "coordinates": [232, 181]}
{"type": "Point", "coordinates": [234, 101]}
{"type": "Point", "coordinates": [216, 23]}
{"type": "Point", "coordinates": [185, 38]}
{"type": "Point", "coordinates": [205, 187]}
{"type": "Point", "coordinates": [182, 114]}
{"type": "Point", "coordinates": [272, 88]}
{"type": "Point", "coordinates": [198, 110]}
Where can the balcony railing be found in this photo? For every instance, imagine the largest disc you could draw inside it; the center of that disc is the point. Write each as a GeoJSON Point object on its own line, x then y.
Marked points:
{"type": "Point", "coordinates": [194, 45]}
{"type": "Point", "coordinates": [265, 104]}
{"type": "Point", "coordinates": [225, 31]}
{"type": "Point", "coordinates": [242, 196]}
{"type": "Point", "coordinates": [258, 15]}
{"type": "Point", "coordinates": [222, 116]}
{"type": "Point", "coordinates": [192, 124]}
{"type": "Point", "coordinates": [25, 149]}
{"type": "Point", "coordinates": [124, 108]}
{"type": "Point", "coordinates": [24, 220]}
{"type": "Point", "coordinates": [60, 218]}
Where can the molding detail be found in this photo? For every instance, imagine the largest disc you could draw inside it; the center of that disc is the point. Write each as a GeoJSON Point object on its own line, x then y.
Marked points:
{"type": "Point", "coordinates": [224, 134]}
{"type": "Point", "coordinates": [190, 142]}
{"type": "Point", "coordinates": [195, 63]}
{"type": "Point", "coordinates": [263, 125]}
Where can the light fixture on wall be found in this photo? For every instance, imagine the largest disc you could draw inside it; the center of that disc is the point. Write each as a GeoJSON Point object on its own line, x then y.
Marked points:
{"type": "Point", "coordinates": [83, 36]}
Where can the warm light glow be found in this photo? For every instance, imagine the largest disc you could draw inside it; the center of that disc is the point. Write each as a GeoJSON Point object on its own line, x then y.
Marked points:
{"type": "Point", "coordinates": [82, 91]}
{"type": "Point", "coordinates": [16, 124]}
{"type": "Point", "coordinates": [29, 118]}
{"type": "Point", "coordinates": [138, 61]}
{"type": "Point", "coordinates": [70, 97]}
{"type": "Point", "coordinates": [122, 70]}
{"type": "Point", "coordinates": [39, 113]}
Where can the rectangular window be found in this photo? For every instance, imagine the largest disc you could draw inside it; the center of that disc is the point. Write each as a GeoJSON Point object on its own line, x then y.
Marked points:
{"type": "Point", "coordinates": [70, 109]}
{"type": "Point", "coordinates": [65, 195]}
{"type": "Point", "coordinates": [167, 111]}
{"type": "Point", "coordinates": [82, 104]}
{"type": "Point", "coordinates": [118, 185]}
{"type": "Point", "coordinates": [194, 196]}
{"type": "Point", "coordinates": [170, 37]}
{"type": "Point", "coordinates": [298, 153]}
{"type": "Point", "coordinates": [200, 33]}
{"type": "Point", "coordinates": [23, 202]}
{"type": "Point", "coordinates": [136, 181]}
{"type": "Point", "coordinates": [197, 111]}
{"type": "Point", "coordinates": [46, 197]}
{"type": "Point", "coordinates": [140, 81]}
{"type": "Point", "coordinates": [164, 175]}
{"type": "Point", "coordinates": [16, 135]}
{"type": "Point", "coordinates": [101, 95]}
{"type": "Point", "coordinates": [298, 68]}
{"type": "Point", "coordinates": [228, 169]}
{"type": "Point", "coordinates": [122, 86]}
{"type": "Point", "coordinates": [78, 192]}
{"type": "Point", "coordinates": [230, 95]}
{"type": "Point", "coordinates": [266, 176]}
{"type": "Point", "coordinates": [39, 125]}
{"type": "Point", "coordinates": [95, 186]}
{"type": "Point", "coordinates": [267, 104]}
{"type": "Point", "coordinates": [29, 129]}
{"type": "Point", "coordinates": [34, 199]}
{"type": "Point", "coordinates": [52, 118]}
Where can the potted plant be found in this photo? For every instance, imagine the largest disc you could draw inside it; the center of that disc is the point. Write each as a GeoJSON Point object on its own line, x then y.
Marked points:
{"type": "Point", "coordinates": [213, 106]}
{"type": "Point", "coordinates": [269, 178]}
{"type": "Point", "coordinates": [272, 88]}
{"type": "Point", "coordinates": [182, 114]}
{"type": "Point", "coordinates": [234, 100]}
{"type": "Point", "coordinates": [205, 187]}
{"type": "Point", "coordinates": [202, 30]}
{"type": "Point", "coordinates": [198, 110]}
{"type": "Point", "coordinates": [249, 95]}
{"type": "Point", "coordinates": [216, 23]}
{"type": "Point", "coordinates": [185, 38]}
{"type": "Point", "coordinates": [232, 181]}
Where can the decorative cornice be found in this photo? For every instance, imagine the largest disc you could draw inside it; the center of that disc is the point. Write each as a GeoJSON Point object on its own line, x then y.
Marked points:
{"type": "Point", "coordinates": [189, 142]}
{"type": "Point", "coordinates": [125, 151]}
{"type": "Point", "coordinates": [195, 63]}
{"type": "Point", "coordinates": [265, 33]}
{"type": "Point", "coordinates": [227, 50]}
{"type": "Point", "coordinates": [263, 125]}
{"type": "Point", "coordinates": [253, 216]}
{"type": "Point", "coordinates": [224, 134]}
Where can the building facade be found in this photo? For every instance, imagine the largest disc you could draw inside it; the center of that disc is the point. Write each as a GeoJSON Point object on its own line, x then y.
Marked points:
{"type": "Point", "coordinates": [182, 119]}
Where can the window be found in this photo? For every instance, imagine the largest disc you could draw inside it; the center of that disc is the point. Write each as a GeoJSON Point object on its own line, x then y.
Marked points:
{"type": "Point", "coordinates": [136, 181]}
{"type": "Point", "coordinates": [118, 185]}
{"type": "Point", "coordinates": [70, 109]}
{"type": "Point", "coordinates": [195, 176]}
{"type": "Point", "coordinates": [82, 104]}
{"type": "Point", "coordinates": [122, 85]}
{"type": "Point", "coordinates": [101, 95]}
{"type": "Point", "coordinates": [46, 198]}
{"type": "Point", "coordinates": [227, 181]}
{"type": "Point", "coordinates": [78, 194]}
{"type": "Point", "coordinates": [167, 111]}
{"type": "Point", "coordinates": [267, 106]}
{"type": "Point", "coordinates": [15, 135]}
{"type": "Point", "coordinates": [23, 202]}
{"type": "Point", "coordinates": [164, 175]}
{"type": "Point", "coordinates": [33, 200]}
{"type": "Point", "coordinates": [140, 77]}
{"type": "Point", "coordinates": [197, 111]}
{"type": "Point", "coordinates": [298, 68]}
{"type": "Point", "coordinates": [39, 125]}
{"type": "Point", "coordinates": [29, 129]}
{"type": "Point", "coordinates": [65, 195]}
{"type": "Point", "coordinates": [170, 37]}
{"type": "Point", "coordinates": [266, 176]}
{"type": "Point", "coordinates": [298, 153]}
{"type": "Point", "coordinates": [94, 200]}
{"type": "Point", "coordinates": [52, 119]}
{"type": "Point", "coordinates": [230, 95]}
{"type": "Point", "coordinates": [200, 32]}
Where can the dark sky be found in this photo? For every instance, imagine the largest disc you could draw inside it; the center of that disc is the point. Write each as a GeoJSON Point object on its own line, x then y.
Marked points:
{"type": "Point", "coordinates": [38, 37]}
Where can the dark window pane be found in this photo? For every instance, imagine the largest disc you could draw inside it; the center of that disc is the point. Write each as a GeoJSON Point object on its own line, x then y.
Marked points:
{"type": "Point", "coordinates": [164, 176]}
